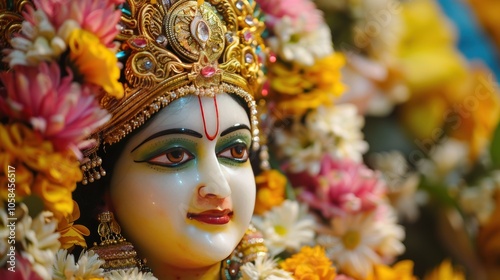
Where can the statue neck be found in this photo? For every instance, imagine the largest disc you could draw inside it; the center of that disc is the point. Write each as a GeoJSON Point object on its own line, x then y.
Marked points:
{"type": "Point", "coordinates": [166, 272]}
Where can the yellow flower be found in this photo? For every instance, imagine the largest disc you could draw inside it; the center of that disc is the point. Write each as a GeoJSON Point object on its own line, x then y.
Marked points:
{"type": "Point", "coordinates": [310, 263]}
{"type": "Point", "coordinates": [468, 109]}
{"type": "Point", "coordinates": [270, 190]}
{"type": "Point", "coordinates": [97, 64]}
{"type": "Point", "coordinates": [428, 59]}
{"type": "Point", "coordinates": [72, 234]}
{"type": "Point", "coordinates": [445, 271]}
{"type": "Point", "coordinates": [402, 270]}
{"type": "Point", "coordinates": [297, 89]}
{"type": "Point", "coordinates": [54, 174]}
{"type": "Point", "coordinates": [477, 102]}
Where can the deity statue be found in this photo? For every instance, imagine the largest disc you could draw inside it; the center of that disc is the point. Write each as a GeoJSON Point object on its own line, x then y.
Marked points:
{"type": "Point", "coordinates": [176, 151]}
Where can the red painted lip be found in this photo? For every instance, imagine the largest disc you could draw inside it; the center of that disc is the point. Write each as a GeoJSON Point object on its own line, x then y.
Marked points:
{"type": "Point", "coordinates": [214, 217]}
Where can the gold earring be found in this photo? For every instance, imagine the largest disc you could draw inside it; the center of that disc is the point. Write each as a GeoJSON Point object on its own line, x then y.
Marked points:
{"type": "Point", "coordinates": [114, 249]}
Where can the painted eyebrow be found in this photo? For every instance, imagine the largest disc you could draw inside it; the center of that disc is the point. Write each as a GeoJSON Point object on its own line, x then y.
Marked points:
{"type": "Point", "coordinates": [234, 128]}
{"type": "Point", "coordinates": [170, 131]}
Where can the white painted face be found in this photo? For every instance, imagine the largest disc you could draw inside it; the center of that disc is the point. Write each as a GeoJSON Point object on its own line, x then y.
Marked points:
{"type": "Point", "coordinates": [183, 188]}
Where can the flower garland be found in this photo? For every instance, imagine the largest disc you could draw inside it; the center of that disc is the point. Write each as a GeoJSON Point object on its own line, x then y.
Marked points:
{"type": "Point", "coordinates": [61, 61]}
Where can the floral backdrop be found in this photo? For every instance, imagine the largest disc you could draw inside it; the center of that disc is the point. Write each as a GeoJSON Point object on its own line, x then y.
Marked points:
{"type": "Point", "coordinates": [380, 152]}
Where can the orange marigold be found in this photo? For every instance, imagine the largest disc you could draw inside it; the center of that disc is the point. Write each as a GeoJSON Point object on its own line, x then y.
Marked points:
{"type": "Point", "coordinates": [310, 263]}
{"type": "Point", "coordinates": [270, 190]}
{"type": "Point", "coordinates": [297, 88]}
{"type": "Point", "coordinates": [40, 170]}
{"type": "Point", "coordinates": [95, 62]}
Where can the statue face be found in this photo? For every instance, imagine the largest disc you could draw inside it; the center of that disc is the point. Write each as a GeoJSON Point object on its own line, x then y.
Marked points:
{"type": "Point", "coordinates": [183, 189]}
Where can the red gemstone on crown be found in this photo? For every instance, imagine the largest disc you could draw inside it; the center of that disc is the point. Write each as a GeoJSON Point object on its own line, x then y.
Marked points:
{"type": "Point", "coordinates": [139, 42]}
{"type": "Point", "coordinates": [208, 71]}
{"type": "Point", "coordinates": [248, 35]}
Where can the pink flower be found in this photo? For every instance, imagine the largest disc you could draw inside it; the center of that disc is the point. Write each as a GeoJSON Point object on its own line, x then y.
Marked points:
{"type": "Point", "coordinates": [296, 10]}
{"type": "Point", "coordinates": [64, 112]}
{"type": "Point", "coordinates": [341, 187]}
{"type": "Point", "coordinates": [96, 16]}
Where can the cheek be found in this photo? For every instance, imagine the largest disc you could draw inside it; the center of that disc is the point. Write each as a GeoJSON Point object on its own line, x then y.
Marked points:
{"type": "Point", "coordinates": [242, 183]}
{"type": "Point", "coordinates": [143, 196]}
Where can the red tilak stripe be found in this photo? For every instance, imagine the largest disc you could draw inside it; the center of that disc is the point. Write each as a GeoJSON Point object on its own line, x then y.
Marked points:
{"type": "Point", "coordinates": [210, 137]}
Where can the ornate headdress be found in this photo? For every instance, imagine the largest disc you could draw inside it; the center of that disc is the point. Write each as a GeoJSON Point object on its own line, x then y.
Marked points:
{"type": "Point", "coordinates": [168, 49]}
{"type": "Point", "coordinates": [171, 49]}
{"type": "Point", "coordinates": [174, 48]}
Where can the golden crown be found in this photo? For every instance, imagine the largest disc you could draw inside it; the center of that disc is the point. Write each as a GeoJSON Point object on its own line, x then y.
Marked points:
{"type": "Point", "coordinates": [174, 48]}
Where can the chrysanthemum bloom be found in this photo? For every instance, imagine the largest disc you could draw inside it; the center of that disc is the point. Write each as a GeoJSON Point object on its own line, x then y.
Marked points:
{"type": "Point", "coordinates": [61, 110]}
{"type": "Point", "coordinates": [270, 190]}
{"type": "Point", "coordinates": [297, 149]}
{"type": "Point", "coordinates": [38, 41]}
{"type": "Point", "coordinates": [86, 267]}
{"type": "Point", "coordinates": [310, 263]}
{"type": "Point", "coordinates": [338, 129]}
{"type": "Point", "coordinates": [263, 268]}
{"type": "Point", "coordinates": [296, 89]}
{"type": "Point", "coordinates": [341, 187]}
{"type": "Point", "coordinates": [72, 234]}
{"type": "Point", "coordinates": [55, 174]}
{"type": "Point", "coordinates": [99, 17]}
{"type": "Point", "coordinates": [357, 242]}
{"type": "Point", "coordinates": [37, 241]}
{"type": "Point", "coordinates": [286, 227]}
{"type": "Point", "coordinates": [130, 274]}
{"type": "Point", "coordinates": [298, 31]}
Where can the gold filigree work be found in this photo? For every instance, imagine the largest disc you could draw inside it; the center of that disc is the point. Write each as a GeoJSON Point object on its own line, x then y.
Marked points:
{"type": "Point", "coordinates": [180, 48]}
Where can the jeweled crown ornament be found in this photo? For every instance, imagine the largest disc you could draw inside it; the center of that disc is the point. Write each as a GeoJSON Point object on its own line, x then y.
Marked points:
{"type": "Point", "coordinates": [174, 48]}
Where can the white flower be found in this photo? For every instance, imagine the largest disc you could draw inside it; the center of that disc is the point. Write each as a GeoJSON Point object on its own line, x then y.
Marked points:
{"type": "Point", "coordinates": [264, 268]}
{"type": "Point", "coordinates": [479, 200]}
{"type": "Point", "coordinates": [338, 129]}
{"type": "Point", "coordinates": [446, 159]}
{"type": "Point", "coordinates": [286, 227]}
{"type": "Point", "coordinates": [129, 274]}
{"type": "Point", "coordinates": [392, 234]}
{"type": "Point", "coordinates": [402, 184]}
{"type": "Point", "coordinates": [293, 43]}
{"type": "Point", "coordinates": [88, 266]}
{"type": "Point", "coordinates": [335, 130]}
{"type": "Point", "coordinates": [40, 41]}
{"type": "Point", "coordinates": [302, 152]}
{"type": "Point", "coordinates": [356, 242]}
{"type": "Point", "coordinates": [39, 241]}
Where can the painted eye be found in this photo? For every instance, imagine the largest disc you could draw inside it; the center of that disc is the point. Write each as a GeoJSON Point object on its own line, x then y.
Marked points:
{"type": "Point", "coordinates": [172, 157]}
{"type": "Point", "coordinates": [237, 152]}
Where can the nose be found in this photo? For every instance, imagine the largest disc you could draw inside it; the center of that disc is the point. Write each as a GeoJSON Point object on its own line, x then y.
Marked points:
{"type": "Point", "coordinates": [214, 184]}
